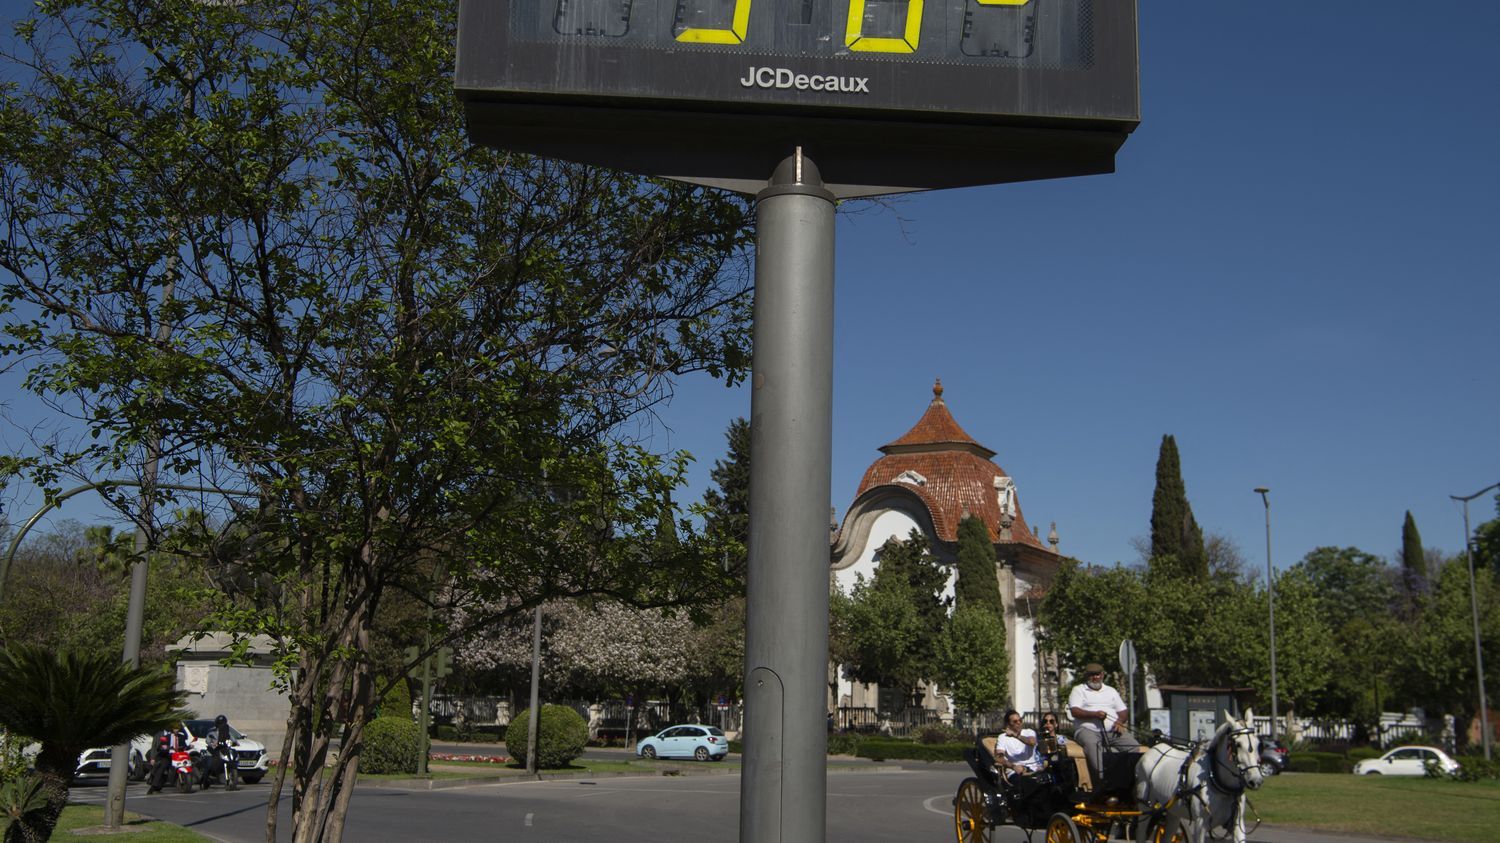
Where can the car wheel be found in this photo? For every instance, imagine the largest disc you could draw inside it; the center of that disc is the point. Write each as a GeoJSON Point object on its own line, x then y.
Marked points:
{"type": "Point", "coordinates": [701, 753]}
{"type": "Point", "coordinates": [1372, 772]}
{"type": "Point", "coordinates": [648, 752]}
{"type": "Point", "coordinates": [250, 778]}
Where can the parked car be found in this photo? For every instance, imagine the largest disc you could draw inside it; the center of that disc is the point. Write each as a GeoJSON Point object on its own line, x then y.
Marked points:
{"type": "Point", "coordinates": [253, 761]}
{"type": "Point", "coordinates": [1273, 756]}
{"type": "Point", "coordinates": [686, 741]}
{"type": "Point", "coordinates": [1406, 761]}
{"type": "Point", "coordinates": [94, 763]}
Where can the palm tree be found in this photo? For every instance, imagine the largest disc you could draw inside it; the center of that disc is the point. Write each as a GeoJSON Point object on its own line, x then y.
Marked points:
{"type": "Point", "coordinates": [69, 702]}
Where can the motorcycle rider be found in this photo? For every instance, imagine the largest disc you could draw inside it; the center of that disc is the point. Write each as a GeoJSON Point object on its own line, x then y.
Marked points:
{"type": "Point", "coordinates": [218, 743]}
{"type": "Point", "coordinates": [167, 741]}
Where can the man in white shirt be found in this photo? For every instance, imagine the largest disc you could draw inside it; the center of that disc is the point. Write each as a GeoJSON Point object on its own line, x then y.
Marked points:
{"type": "Point", "coordinates": [1017, 746]}
{"type": "Point", "coordinates": [1098, 721]}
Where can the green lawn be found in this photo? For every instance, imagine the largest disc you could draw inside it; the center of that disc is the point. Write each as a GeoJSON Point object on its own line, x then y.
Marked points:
{"type": "Point", "coordinates": [76, 817]}
{"type": "Point", "coordinates": [1430, 809]}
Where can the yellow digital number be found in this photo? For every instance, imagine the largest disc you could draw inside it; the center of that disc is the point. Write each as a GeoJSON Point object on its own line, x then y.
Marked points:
{"type": "Point", "coordinates": [855, 39]}
{"type": "Point", "coordinates": [735, 34]}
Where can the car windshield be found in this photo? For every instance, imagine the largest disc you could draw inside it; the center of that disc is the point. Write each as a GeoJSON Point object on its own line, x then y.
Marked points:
{"type": "Point", "coordinates": [201, 728]}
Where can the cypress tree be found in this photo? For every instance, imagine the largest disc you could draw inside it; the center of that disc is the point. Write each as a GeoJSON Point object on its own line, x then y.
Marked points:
{"type": "Point", "coordinates": [1175, 533]}
{"type": "Point", "coordinates": [727, 518]}
{"type": "Point", "coordinates": [977, 585]}
{"type": "Point", "coordinates": [1413, 557]}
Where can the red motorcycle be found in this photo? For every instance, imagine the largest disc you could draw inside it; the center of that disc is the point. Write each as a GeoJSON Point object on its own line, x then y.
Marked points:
{"type": "Point", "coordinates": [182, 770]}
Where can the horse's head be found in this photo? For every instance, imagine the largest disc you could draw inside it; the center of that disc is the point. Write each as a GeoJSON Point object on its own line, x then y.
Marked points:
{"type": "Point", "coordinates": [1242, 747]}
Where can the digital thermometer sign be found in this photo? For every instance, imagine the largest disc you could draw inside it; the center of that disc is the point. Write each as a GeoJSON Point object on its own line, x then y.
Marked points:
{"type": "Point", "coordinates": [883, 94]}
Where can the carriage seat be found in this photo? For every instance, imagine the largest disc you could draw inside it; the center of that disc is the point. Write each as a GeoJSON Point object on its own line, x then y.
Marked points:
{"type": "Point", "coordinates": [1075, 752]}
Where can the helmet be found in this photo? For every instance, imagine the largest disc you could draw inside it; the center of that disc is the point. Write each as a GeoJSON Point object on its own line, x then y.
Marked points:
{"type": "Point", "coordinates": [220, 720]}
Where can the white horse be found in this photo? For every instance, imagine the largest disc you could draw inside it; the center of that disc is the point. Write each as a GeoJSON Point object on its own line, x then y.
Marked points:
{"type": "Point", "coordinates": [1204, 787]}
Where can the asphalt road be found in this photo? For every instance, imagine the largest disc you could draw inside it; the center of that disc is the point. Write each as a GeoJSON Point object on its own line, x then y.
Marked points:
{"type": "Point", "coordinates": [883, 803]}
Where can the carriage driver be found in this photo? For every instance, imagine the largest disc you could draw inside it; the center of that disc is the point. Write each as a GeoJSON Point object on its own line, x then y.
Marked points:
{"type": "Point", "coordinates": [1099, 721]}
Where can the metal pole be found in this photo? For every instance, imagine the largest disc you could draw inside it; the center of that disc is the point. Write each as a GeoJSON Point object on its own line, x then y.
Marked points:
{"type": "Point", "coordinates": [784, 785]}
{"type": "Point", "coordinates": [1271, 602]}
{"type": "Point", "coordinates": [536, 683]}
{"type": "Point", "coordinates": [1484, 708]}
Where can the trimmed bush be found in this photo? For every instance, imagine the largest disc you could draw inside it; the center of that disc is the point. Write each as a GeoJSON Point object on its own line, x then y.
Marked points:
{"type": "Point", "coordinates": [1362, 753]}
{"type": "Point", "coordinates": [843, 744]}
{"type": "Point", "coordinates": [1320, 762]}
{"type": "Point", "coordinates": [880, 750]}
{"type": "Point", "coordinates": [560, 737]}
{"type": "Point", "coordinates": [391, 745]}
{"type": "Point", "coordinates": [937, 734]}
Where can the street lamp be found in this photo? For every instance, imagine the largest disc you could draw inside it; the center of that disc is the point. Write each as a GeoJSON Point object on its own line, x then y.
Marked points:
{"type": "Point", "coordinates": [1484, 709]}
{"type": "Point", "coordinates": [1270, 601]}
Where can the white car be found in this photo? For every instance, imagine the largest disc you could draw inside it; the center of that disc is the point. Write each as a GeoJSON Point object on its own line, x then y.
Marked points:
{"type": "Point", "coordinates": [1406, 761]}
{"type": "Point", "coordinates": [94, 763]}
{"type": "Point", "coordinates": [254, 764]}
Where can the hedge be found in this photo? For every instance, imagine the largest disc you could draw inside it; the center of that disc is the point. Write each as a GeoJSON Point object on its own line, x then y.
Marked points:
{"type": "Point", "coordinates": [879, 750]}
{"type": "Point", "coordinates": [1320, 762]}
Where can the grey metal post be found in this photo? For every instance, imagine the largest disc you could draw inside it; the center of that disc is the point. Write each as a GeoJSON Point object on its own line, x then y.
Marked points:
{"type": "Point", "coordinates": [784, 785]}
{"type": "Point", "coordinates": [1270, 601]}
{"type": "Point", "coordinates": [536, 682]}
{"type": "Point", "coordinates": [1484, 708]}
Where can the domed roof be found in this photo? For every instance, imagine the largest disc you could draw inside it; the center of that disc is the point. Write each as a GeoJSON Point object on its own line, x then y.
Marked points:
{"type": "Point", "coordinates": [950, 472]}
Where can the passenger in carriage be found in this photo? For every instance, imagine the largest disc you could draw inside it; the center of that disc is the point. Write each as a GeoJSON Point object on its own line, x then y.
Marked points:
{"type": "Point", "coordinates": [1098, 720]}
{"type": "Point", "coordinates": [1051, 740]}
{"type": "Point", "coordinates": [1017, 747]}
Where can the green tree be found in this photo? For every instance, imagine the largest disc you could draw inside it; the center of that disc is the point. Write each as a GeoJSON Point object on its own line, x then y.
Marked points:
{"type": "Point", "coordinates": [726, 504]}
{"type": "Point", "coordinates": [971, 660]}
{"type": "Point", "coordinates": [1486, 542]}
{"type": "Point", "coordinates": [258, 235]}
{"type": "Point", "coordinates": [1090, 609]}
{"type": "Point", "coordinates": [886, 630]}
{"type": "Point", "coordinates": [70, 701]}
{"type": "Point", "coordinates": [977, 585]}
{"type": "Point", "coordinates": [1176, 539]}
{"type": "Point", "coordinates": [1440, 674]}
{"type": "Point", "coordinates": [1413, 557]}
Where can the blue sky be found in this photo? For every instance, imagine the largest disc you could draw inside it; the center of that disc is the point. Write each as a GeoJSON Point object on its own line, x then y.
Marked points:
{"type": "Point", "coordinates": [1293, 271]}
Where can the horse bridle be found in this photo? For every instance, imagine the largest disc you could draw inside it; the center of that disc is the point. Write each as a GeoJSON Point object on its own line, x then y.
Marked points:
{"type": "Point", "coordinates": [1240, 771]}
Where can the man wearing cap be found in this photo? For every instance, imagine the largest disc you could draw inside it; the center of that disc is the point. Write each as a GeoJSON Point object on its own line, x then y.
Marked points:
{"type": "Point", "coordinates": [1098, 721]}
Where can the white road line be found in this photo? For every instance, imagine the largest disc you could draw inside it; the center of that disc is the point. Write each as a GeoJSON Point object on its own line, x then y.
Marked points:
{"type": "Point", "coordinates": [528, 820]}
{"type": "Point", "coordinates": [946, 811]}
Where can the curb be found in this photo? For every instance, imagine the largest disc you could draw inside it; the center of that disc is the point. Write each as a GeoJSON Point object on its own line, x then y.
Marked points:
{"type": "Point", "coordinates": [665, 772]}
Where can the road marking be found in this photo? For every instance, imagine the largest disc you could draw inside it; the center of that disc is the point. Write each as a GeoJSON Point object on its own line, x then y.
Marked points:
{"type": "Point", "coordinates": [947, 812]}
{"type": "Point", "coordinates": [528, 820]}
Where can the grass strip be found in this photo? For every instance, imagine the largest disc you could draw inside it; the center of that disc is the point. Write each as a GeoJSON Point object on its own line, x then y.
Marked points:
{"type": "Point", "coordinates": [1388, 806]}
{"type": "Point", "coordinates": [89, 818]}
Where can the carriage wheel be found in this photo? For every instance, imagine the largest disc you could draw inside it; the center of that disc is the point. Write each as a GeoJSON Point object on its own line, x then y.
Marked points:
{"type": "Point", "coordinates": [1062, 829]}
{"type": "Point", "coordinates": [1169, 831]}
{"type": "Point", "coordinates": [968, 813]}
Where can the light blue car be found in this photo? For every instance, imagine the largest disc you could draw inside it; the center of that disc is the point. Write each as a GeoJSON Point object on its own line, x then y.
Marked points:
{"type": "Point", "coordinates": [694, 740]}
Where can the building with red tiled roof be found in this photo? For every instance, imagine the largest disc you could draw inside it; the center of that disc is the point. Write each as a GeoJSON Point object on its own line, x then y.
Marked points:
{"type": "Point", "coordinates": [930, 479]}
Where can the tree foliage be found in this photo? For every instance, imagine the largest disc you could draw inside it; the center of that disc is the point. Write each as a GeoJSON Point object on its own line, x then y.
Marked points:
{"type": "Point", "coordinates": [69, 701]}
{"type": "Point", "coordinates": [971, 660]}
{"type": "Point", "coordinates": [1176, 539]}
{"type": "Point", "coordinates": [977, 586]}
{"type": "Point", "coordinates": [255, 239]}
{"type": "Point", "coordinates": [1413, 557]}
{"type": "Point", "coordinates": [886, 630]}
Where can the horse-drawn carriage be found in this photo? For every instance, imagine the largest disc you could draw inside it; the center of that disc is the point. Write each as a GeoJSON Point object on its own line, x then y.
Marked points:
{"type": "Point", "coordinates": [1164, 794]}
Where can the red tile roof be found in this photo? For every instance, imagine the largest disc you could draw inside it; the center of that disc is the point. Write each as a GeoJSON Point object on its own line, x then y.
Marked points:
{"type": "Point", "coordinates": [958, 473]}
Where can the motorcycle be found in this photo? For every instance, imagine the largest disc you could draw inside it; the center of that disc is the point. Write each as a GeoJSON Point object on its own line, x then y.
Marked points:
{"type": "Point", "coordinates": [218, 761]}
{"type": "Point", "coordinates": [182, 770]}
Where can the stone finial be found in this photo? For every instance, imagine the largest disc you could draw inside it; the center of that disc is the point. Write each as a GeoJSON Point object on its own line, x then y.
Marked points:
{"type": "Point", "coordinates": [1052, 537]}
{"type": "Point", "coordinates": [937, 390]}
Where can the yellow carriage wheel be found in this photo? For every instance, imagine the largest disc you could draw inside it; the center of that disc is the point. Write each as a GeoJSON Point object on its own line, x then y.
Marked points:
{"type": "Point", "coordinates": [1062, 829]}
{"type": "Point", "coordinates": [969, 823]}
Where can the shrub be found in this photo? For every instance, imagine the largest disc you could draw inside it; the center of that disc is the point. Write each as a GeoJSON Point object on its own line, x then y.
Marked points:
{"type": "Point", "coordinates": [560, 736]}
{"type": "Point", "coordinates": [392, 745]}
{"type": "Point", "coordinates": [1474, 768]}
{"type": "Point", "coordinates": [1362, 753]}
{"type": "Point", "coordinates": [879, 750]}
{"type": "Point", "coordinates": [397, 700]}
{"type": "Point", "coordinates": [843, 744]}
{"type": "Point", "coordinates": [938, 733]}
